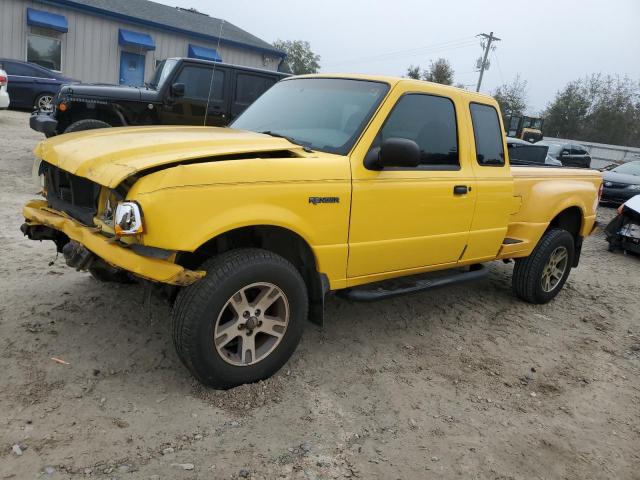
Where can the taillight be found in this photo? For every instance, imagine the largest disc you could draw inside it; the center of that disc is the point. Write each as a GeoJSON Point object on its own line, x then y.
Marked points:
{"type": "Point", "coordinates": [3, 80]}
{"type": "Point", "coordinates": [600, 191]}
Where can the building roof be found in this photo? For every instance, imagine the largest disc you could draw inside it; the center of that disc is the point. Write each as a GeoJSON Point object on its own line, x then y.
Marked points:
{"type": "Point", "coordinates": [164, 17]}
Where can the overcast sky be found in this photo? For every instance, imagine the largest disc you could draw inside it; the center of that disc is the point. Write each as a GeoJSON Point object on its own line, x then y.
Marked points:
{"type": "Point", "coordinates": [549, 43]}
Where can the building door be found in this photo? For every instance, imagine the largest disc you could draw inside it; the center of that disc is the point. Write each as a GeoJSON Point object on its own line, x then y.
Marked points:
{"type": "Point", "coordinates": [131, 69]}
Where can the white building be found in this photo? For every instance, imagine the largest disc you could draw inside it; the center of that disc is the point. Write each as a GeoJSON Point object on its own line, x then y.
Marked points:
{"type": "Point", "coordinates": [121, 41]}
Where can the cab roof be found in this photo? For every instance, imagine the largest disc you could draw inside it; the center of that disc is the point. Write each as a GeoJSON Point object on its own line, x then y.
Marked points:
{"type": "Point", "coordinates": [393, 81]}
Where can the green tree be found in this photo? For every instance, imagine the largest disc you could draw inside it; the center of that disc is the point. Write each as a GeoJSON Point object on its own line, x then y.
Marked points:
{"type": "Point", "coordinates": [512, 97]}
{"type": "Point", "coordinates": [300, 57]}
{"type": "Point", "coordinates": [565, 116]}
{"type": "Point", "coordinates": [439, 71]}
{"type": "Point", "coordinates": [598, 108]}
{"type": "Point", "coordinates": [413, 71]}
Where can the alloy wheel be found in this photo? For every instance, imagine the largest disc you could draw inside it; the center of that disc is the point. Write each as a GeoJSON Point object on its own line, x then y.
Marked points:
{"type": "Point", "coordinates": [251, 324]}
{"type": "Point", "coordinates": [555, 269]}
{"type": "Point", "coordinates": [45, 102]}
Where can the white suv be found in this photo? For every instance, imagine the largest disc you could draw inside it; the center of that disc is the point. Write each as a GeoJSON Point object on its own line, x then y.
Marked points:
{"type": "Point", "coordinates": [4, 95]}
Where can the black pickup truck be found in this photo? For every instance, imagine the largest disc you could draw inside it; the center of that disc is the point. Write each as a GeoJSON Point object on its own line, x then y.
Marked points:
{"type": "Point", "coordinates": [183, 91]}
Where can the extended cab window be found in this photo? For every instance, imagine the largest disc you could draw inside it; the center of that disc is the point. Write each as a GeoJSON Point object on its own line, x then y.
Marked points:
{"type": "Point", "coordinates": [488, 135]}
{"type": "Point", "coordinates": [250, 87]}
{"type": "Point", "coordinates": [429, 121]}
{"type": "Point", "coordinates": [197, 81]}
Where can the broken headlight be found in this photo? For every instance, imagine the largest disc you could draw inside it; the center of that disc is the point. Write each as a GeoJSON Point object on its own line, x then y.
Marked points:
{"type": "Point", "coordinates": [128, 219]}
{"type": "Point", "coordinates": [38, 175]}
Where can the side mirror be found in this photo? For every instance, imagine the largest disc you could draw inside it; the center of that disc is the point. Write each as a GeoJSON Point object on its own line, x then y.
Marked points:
{"type": "Point", "coordinates": [394, 152]}
{"type": "Point", "coordinates": [177, 89]}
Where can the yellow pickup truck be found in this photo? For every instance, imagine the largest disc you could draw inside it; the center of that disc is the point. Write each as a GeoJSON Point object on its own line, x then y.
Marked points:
{"type": "Point", "coordinates": [325, 184]}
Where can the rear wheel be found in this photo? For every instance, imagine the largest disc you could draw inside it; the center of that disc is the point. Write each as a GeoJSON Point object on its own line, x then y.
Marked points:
{"type": "Point", "coordinates": [243, 320]}
{"type": "Point", "coordinates": [539, 277]}
{"type": "Point", "coordinates": [86, 124]}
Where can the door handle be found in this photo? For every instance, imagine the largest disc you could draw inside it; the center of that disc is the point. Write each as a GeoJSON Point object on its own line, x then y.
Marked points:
{"type": "Point", "coordinates": [461, 189]}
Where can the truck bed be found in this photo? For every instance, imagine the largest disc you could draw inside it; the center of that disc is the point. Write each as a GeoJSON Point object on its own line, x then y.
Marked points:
{"type": "Point", "coordinates": [562, 189]}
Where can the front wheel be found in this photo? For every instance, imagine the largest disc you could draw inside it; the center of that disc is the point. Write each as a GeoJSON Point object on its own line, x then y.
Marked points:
{"type": "Point", "coordinates": [243, 320]}
{"type": "Point", "coordinates": [539, 277]}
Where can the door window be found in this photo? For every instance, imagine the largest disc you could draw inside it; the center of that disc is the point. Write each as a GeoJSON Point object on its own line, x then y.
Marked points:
{"type": "Point", "coordinates": [250, 87]}
{"type": "Point", "coordinates": [197, 82]}
{"type": "Point", "coordinates": [19, 69]}
{"type": "Point", "coordinates": [577, 150]}
{"type": "Point", "coordinates": [488, 135]}
{"type": "Point", "coordinates": [430, 121]}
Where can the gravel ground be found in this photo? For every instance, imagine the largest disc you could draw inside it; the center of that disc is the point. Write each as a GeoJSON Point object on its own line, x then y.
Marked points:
{"type": "Point", "coordinates": [466, 382]}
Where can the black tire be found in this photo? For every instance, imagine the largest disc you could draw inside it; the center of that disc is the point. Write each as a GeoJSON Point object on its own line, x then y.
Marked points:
{"type": "Point", "coordinates": [86, 124]}
{"type": "Point", "coordinates": [528, 272]}
{"type": "Point", "coordinates": [110, 275]}
{"type": "Point", "coordinates": [197, 307]}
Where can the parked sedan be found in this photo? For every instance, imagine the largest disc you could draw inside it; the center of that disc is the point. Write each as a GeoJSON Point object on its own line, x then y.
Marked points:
{"type": "Point", "coordinates": [621, 183]}
{"type": "Point", "coordinates": [31, 85]}
{"type": "Point", "coordinates": [569, 154]}
{"type": "Point", "coordinates": [4, 95]}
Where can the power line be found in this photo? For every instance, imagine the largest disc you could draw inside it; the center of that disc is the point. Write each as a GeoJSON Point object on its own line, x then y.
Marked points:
{"type": "Point", "coordinates": [442, 46]}
{"type": "Point", "coordinates": [489, 39]}
{"type": "Point", "coordinates": [495, 57]}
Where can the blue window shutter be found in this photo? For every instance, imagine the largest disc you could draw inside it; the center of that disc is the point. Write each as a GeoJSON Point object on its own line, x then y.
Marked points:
{"type": "Point", "coordinates": [204, 53]}
{"type": "Point", "coordinates": [128, 38]}
{"type": "Point", "coordinates": [40, 18]}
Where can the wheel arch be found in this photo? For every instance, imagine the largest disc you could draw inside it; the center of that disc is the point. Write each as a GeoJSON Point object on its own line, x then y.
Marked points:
{"type": "Point", "coordinates": [570, 219]}
{"type": "Point", "coordinates": [277, 239]}
{"type": "Point", "coordinates": [105, 113]}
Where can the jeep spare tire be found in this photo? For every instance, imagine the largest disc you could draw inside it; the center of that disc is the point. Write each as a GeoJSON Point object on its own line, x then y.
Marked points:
{"type": "Point", "coordinates": [86, 124]}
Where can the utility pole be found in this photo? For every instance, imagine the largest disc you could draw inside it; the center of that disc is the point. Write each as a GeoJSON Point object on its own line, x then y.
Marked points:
{"type": "Point", "coordinates": [489, 38]}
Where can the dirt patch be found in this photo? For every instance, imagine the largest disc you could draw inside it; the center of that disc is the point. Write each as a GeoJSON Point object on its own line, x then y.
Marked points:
{"type": "Point", "coordinates": [465, 382]}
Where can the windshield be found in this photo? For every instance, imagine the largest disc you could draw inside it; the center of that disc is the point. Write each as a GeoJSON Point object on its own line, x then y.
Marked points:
{"type": "Point", "coordinates": [162, 72]}
{"type": "Point", "coordinates": [631, 168]}
{"type": "Point", "coordinates": [326, 114]}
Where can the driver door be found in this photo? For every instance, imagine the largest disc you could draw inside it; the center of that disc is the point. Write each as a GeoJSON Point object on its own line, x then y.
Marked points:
{"type": "Point", "coordinates": [410, 219]}
{"type": "Point", "coordinates": [190, 109]}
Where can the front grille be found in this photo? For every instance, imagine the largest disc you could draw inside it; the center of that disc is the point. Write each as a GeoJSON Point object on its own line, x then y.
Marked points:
{"type": "Point", "coordinates": [76, 196]}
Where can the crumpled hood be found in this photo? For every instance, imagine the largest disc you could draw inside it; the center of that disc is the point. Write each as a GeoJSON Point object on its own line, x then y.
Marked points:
{"type": "Point", "coordinates": [108, 156]}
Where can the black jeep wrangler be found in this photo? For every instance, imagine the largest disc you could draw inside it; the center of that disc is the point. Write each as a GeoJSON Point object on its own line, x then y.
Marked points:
{"type": "Point", "coordinates": [183, 91]}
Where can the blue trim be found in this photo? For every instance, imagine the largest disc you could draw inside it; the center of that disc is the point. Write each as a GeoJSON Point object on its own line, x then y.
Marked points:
{"type": "Point", "coordinates": [128, 38]}
{"type": "Point", "coordinates": [40, 18]}
{"type": "Point", "coordinates": [203, 53]}
{"type": "Point", "coordinates": [159, 26]}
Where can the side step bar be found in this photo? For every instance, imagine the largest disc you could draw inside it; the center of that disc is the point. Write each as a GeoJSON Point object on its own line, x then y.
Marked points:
{"type": "Point", "coordinates": [404, 286]}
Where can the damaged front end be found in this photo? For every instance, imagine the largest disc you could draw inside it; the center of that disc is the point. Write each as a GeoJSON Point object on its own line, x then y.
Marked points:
{"type": "Point", "coordinates": [97, 229]}
{"type": "Point", "coordinates": [623, 232]}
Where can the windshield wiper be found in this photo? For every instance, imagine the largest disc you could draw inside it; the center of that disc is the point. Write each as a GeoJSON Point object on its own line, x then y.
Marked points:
{"type": "Point", "coordinates": [295, 142]}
